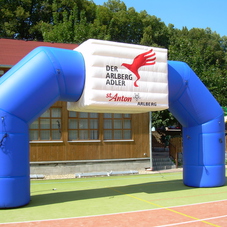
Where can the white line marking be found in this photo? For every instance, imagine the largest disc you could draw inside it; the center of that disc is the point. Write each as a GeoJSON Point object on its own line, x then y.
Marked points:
{"type": "Point", "coordinates": [188, 222]}
{"type": "Point", "coordinates": [129, 212]}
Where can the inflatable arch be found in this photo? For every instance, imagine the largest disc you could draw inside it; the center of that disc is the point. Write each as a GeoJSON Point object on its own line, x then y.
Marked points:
{"type": "Point", "coordinates": [47, 75]}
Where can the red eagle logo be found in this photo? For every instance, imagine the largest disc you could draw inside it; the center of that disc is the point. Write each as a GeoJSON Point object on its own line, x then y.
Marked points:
{"type": "Point", "coordinates": [147, 58]}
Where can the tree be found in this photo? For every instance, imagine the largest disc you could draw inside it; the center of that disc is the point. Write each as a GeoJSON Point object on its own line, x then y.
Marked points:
{"type": "Point", "coordinates": [205, 52]}
{"type": "Point", "coordinates": [115, 5]}
{"type": "Point", "coordinates": [126, 26]}
{"type": "Point", "coordinates": [74, 21]}
{"type": "Point", "coordinates": [162, 119]}
{"type": "Point", "coordinates": [61, 29]}
{"type": "Point", "coordinates": [20, 19]}
{"type": "Point", "coordinates": [155, 32]}
{"type": "Point", "coordinates": [99, 29]}
{"type": "Point", "coordinates": [71, 21]}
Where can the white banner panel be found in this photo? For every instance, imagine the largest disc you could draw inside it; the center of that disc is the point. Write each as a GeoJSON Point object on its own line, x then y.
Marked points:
{"type": "Point", "coordinates": [122, 78]}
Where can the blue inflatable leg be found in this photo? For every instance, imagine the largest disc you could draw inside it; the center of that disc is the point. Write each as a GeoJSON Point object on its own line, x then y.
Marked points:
{"type": "Point", "coordinates": [43, 77]}
{"type": "Point", "coordinates": [203, 127]}
{"type": "Point", "coordinates": [14, 161]}
{"type": "Point", "coordinates": [204, 154]}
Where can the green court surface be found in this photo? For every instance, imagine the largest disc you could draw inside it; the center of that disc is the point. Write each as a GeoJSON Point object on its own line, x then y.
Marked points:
{"type": "Point", "coordinates": [54, 199]}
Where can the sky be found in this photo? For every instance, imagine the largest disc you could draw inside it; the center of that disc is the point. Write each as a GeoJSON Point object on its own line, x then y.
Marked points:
{"type": "Point", "coordinates": [190, 13]}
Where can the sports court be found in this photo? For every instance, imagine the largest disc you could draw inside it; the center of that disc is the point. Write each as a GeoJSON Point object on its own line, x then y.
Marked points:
{"type": "Point", "coordinates": [154, 199]}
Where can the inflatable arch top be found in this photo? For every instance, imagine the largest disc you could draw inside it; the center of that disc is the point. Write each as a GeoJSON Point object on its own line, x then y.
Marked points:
{"type": "Point", "coordinates": [103, 76]}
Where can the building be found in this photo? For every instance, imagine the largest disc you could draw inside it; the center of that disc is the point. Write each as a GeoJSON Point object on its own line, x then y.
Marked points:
{"type": "Point", "coordinates": [62, 136]}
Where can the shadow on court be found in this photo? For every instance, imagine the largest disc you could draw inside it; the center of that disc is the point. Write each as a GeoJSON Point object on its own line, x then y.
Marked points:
{"type": "Point", "coordinates": [55, 197]}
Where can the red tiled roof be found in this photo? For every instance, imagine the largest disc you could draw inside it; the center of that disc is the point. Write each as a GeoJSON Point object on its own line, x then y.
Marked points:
{"type": "Point", "coordinates": [12, 51]}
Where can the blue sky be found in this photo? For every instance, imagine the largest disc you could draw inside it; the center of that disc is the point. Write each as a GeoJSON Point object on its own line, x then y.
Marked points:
{"type": "Point", "coordinates": [189, 13]}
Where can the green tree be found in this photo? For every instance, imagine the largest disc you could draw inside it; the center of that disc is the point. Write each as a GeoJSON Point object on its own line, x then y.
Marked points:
{"type": "Point", "coordinates": [125, 26]}
{"type": "Point", "coordinates": [78, 20]}
{"type": "Point", "coordinates": [163, 118]}
{"type": "Point", "coordinates": [205, 52]}
{"type": "Point", "coordinates": [99, 29]}
{"type": "Point", "coordinates": [20, 19]}
{"type": "Point", "coordinates": [155, 32]}
{"type": "Point", "coordinates": [71, 21]}
{"type": "Point", "coordinates": [115, 5]}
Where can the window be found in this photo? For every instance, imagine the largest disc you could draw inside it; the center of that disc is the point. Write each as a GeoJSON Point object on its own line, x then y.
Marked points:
{"type": "Point", "coordinates": [117, 126]}
{"type": "Point", "coordinates": [47, 126]}
{"type": "Point", "coordinates": [83, 126]}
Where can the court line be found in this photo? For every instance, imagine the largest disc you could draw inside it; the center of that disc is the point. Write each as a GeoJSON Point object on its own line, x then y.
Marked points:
{"type": "Point", "coordinates": [100, 215]}
{"type": "Point", "coordinates": [169, 209]}
{"type": "Point", "coordinates": [188, 222]}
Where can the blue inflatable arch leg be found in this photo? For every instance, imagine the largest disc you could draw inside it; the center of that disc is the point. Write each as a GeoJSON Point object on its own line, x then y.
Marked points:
{"type": "Point", "coordinates": [27, 90]}
{"type": "Point", "coordinates": [50, 74]}
{"type": "Point", "coordinates": [202, 119]}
